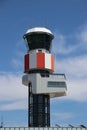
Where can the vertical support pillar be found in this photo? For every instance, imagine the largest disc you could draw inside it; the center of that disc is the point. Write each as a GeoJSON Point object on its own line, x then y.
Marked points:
{"type": "Point", "coordinates": [29, 103]}
{"type": "Point", "coordinates": [38, 110]}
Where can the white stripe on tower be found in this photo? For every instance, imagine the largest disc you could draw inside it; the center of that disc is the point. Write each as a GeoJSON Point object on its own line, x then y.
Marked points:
{"type": "Point", "coordinates": [32, 63]}
{"type": "Point", "coordinates": [47, 61]}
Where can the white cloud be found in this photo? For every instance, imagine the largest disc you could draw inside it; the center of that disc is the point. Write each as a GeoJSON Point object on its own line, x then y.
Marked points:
{"type": "Point", "coordinates": [60, 119]}
{"type": "Point", "coordinates": [18, 104]}
{"type": "Point", "coordinates": [75, 66]}
{"type": "Point", "coordinates": [72, 43]}
{"type": "Point", "coordinates": [77, 90]}
{"type": "Point", "coordinates": [12, 92]}
{"type": "Point", "coordinates": [59, 44]}
{"type": "Point", "coordinates": [63, 115]}
{"type": "Point", "coordinates": [17, 61]}
{"type": "Point", "coordinates": [82, 34]}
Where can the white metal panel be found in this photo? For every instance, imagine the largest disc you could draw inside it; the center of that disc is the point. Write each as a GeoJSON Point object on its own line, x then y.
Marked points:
{"type": "Point", "coordinates": [47, 60]}
{"type": "Point", "coordinates": [30, 78]}
{"type": "Point", "coordinates": [52, 91]}
{"type": "Point", "coordinates": [32, 63]}
{"type": "Point", "coordinates": [40, 84]}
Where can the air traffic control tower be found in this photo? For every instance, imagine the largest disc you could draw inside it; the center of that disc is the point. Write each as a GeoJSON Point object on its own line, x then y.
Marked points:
{"type": "Point", "coordinates": [42, 83]}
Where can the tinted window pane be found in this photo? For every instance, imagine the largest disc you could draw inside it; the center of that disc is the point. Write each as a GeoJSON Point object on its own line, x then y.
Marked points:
{"type": "Point", "coordinates": [56, 84]}
{"type": "Point", "coordinates": [39, 41]}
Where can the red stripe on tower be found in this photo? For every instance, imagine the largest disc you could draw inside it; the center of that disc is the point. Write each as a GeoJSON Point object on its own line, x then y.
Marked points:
{"type": "Point", "coordinates": [26, 63]}
{"type": "Point", "coordinates": [52, 62]}
{"type": "Point", "coordinates": [40, 60]}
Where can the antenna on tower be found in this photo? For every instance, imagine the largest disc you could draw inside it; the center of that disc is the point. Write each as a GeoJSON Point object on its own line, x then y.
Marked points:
{"type": "Point", "coordinates": [1, 122]}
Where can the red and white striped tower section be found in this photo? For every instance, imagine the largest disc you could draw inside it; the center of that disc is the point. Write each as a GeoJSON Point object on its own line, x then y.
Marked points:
{"type": "Point", "coordinates": [42, 83]}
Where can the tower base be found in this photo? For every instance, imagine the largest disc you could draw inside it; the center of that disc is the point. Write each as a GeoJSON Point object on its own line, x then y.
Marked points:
{"type": "Point", "coordinates": [39, 110]}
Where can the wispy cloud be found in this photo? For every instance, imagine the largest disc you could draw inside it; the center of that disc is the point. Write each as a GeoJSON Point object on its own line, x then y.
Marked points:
{"type": "Point", "coordinates": [77, 90]}
{"type": "Point", "coordinates": [75, 67]}
{"type": "Point", "coordinates": [17, 61]}
{"type": "Point", "coordinates": [82, 34]}
{"type": "Point", "coordinates": [72, 43]}
{"type": "Point", "coordinates": [63, 115]}
{"type": "Point", "coordinates": [14, 105]}
{"type": "Point", "coordinates": [61, 44]}
{"type": "Point", "coordinates": [12, 93]}
{"type": "Point", "coordinates": [61, 118]}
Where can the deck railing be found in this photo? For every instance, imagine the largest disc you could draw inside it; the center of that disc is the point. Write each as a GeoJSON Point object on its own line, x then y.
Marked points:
{"type": "Point", "coordinates": [43, 128]}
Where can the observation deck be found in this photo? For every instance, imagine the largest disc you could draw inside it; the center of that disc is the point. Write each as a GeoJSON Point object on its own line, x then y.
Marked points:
{"type": "Point", "coordinates": [38, 38]}
{"type": "Point", "coordinates": [42, 83]}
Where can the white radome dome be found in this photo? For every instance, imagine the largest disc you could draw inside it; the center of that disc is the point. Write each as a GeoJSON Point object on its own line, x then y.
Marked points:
{"type": "Point", "coordinates": [39, 29]}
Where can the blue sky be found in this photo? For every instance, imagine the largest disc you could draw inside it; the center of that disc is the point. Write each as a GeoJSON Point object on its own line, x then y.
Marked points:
{"type": "Point", "coordinates": [67, 19]}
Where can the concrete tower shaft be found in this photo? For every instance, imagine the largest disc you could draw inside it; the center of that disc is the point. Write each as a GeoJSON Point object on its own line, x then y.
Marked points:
{"type": "Point", "coordinates": [38, 60]}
